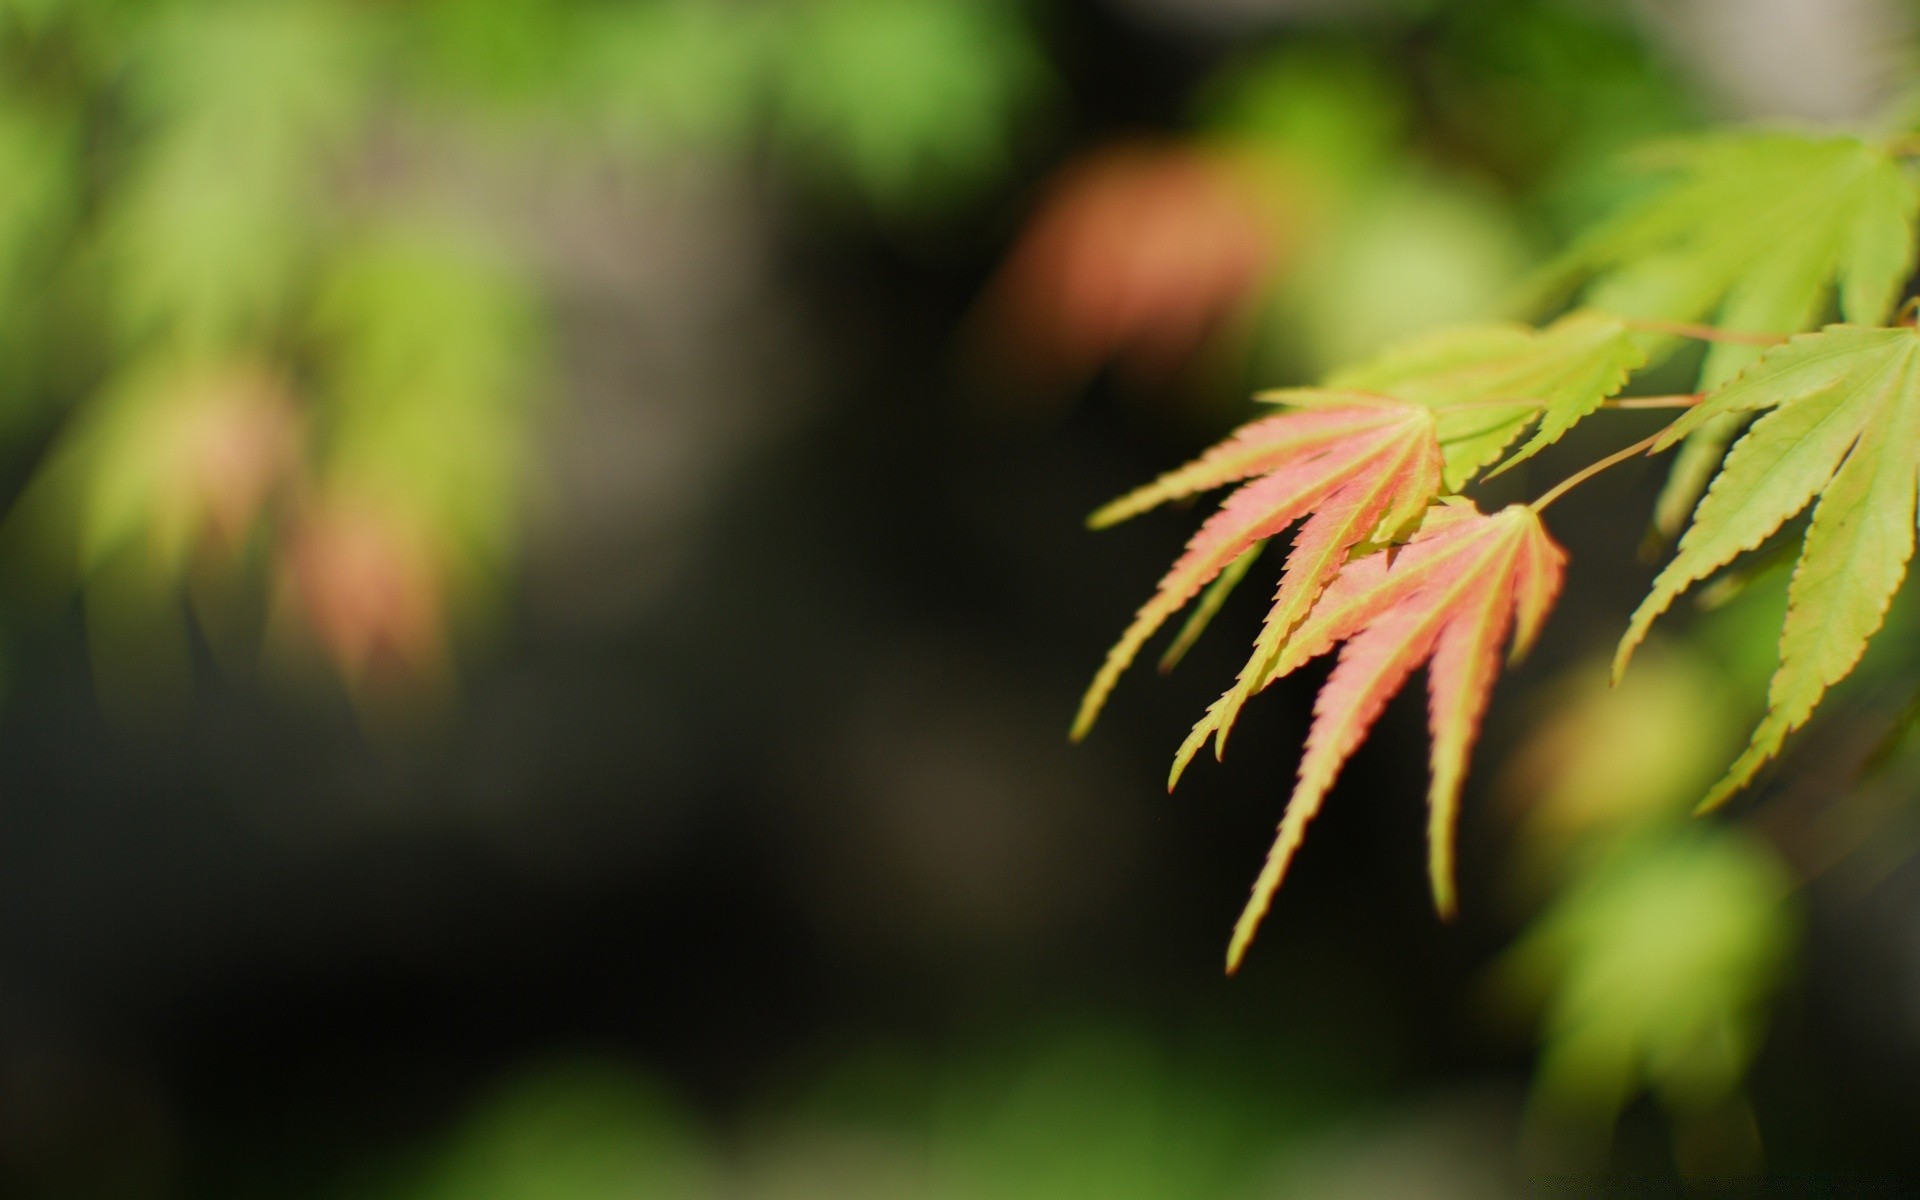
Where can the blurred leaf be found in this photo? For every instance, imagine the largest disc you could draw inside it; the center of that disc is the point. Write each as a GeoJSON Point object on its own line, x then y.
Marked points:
{"type": "Point", "coordinates": [1097, 1115]}
{"type": "Point", "coordinates": [1605, 763]}
{"type": "Point", "coordinates": [1140, 255]}
{"type": "Point", "coordinates": [504, 52]}
{"type": "Point", "coordinates": [1654, 973]}
{"type": "Point", "coordinates": [675, 74]}
{"type": "Point", "coordinates": [1551, 90]}
{"type": "Point", "coordinates": [174, 457]}
{"type": "Point", "coordinates": [1415, 253]}
{"type": "Point", "coordinates": [239, 109]}
{"type": "Point", "coordinates": [1753, 233]}
{"type": "Point", "coordinates": [912, 101]}
{"type": "Point", "coordinates": [431, 342]}
{"type": "Point", "coordinates": [1334, 112]}
{"type": "Point", "coordinates": [582, 1131]}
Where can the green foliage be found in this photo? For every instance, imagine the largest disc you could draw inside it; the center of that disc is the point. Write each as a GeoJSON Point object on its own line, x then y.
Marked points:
{"type": "Point", "coordinates": [1653, 971]}
{"type": "Point", "coordinates": [1491, 382]}
{"type": "Point", "coordinates": [1754, 233]}
{"type": "Point", "coordinates": [910, 100]}
{"type": "Point", "coordinates": [240, 110]}
{"type": "Point", "coordinates": [1757, 234]}
{"type": "Point", "coordinates": [303, 383]}
{"type": "Point", "coordinates": [431, 344]}
{"type": "Point", "coordinates": [571, 1132]}
{"type": "Point", "coordinates": [1842, 420]}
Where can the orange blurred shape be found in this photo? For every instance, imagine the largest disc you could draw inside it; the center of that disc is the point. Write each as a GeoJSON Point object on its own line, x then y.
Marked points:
{"type": "Point", "coordinates": [1137, 254]}
{"type": "Point", "coordinates": [232, 446]}
{"type": "Point", "coordinates": [367, 581]}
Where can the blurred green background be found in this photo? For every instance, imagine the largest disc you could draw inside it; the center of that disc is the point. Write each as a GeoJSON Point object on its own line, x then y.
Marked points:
{"type": "Point", "coordinates": [542, 587]}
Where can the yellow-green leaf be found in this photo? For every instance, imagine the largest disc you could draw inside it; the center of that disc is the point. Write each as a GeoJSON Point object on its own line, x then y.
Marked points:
{"type": "Point", "coordinates": [1843, 423]}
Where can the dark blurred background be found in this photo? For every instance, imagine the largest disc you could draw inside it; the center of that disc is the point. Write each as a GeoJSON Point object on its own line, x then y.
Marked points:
{"type": "Point", "coordinates": [654, 781]}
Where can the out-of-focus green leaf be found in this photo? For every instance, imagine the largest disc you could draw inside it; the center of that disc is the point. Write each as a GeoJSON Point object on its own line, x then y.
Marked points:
{"type": "Point", "coordinates": [912, 101]}
{"type": "Point", "coordinates": [674, 74]}
{"type": "Point", "coordinates": [573, 1132]}
{"type": "Point", "coordinates": [1753, 234]}
{"type": "Point", "coordinates": [1333, 112]}
{"type": "Point", "coordinates": [1414, 254]}
{"type": "Point", "coordinates": [505, 52]}
{"type": "Point", "coordinates": [171, 455]}
{"type": "Point", "coordinates": [1551, 90]}
{"type": "Point", "coordinates": [1654, 974]}
{"type": "Point", "coordinates": [236, 108]}
{"type": "Point", "coordinates": [430, 342]}
{"type": "Point", "coordinates": [1582, 789]}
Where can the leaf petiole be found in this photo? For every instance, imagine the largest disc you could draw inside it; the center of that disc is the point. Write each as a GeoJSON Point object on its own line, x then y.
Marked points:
{"type": "Point", "coordinates": [1581, 476]}
{"type": "Point", "coordinates": [1703, 333]}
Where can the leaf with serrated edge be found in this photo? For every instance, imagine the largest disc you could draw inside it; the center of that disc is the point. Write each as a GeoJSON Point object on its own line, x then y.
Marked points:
{"type": "Point", "coordinates": [1558, 374]}
{"type": "Point", "coordinates": [1857, 233]}
{"type": "Point", "coordinates": [1751, 234]}
{"type": "Point", "coordinates": [1357, 594]}
{"type": "Point", "coordinates": [1209, 607]}
{"type": "Point", "coordinates": [1254, 449]}
{"type": "Point", "coordinates": [1844, 418]}
{"type": "Point", "coordinates": [1377, 442]}
{"type": "Point", "coordinates": [1450, 595]}
{"type": "Point", "coordinates": [1343, 521]}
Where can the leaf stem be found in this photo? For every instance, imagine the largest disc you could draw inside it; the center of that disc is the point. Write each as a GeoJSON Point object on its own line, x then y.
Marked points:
{"type": "Point", "coordinates": [1581, 476]}
{"type": "Point", "coordinates": [1684, 400]}
{"type": "Point", "coordinates": [1704, 333]}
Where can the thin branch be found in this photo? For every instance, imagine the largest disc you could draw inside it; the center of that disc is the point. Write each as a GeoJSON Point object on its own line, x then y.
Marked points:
{"type": "Point", "coordinates": [1581, 476]}
{"type": "Point", "coordinates": [1688, 400]}
{"type": "Point", "coordinates": [1704, 333]}
{"type": "Point", "coordinates": [1656, 402]}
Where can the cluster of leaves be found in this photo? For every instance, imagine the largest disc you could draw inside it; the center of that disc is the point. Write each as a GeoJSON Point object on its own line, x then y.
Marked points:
{"type": "Point", "coordinates": [911, 105]}
{"type": "Point", "coordinates": [1757, 235]}
{"type": "Point", "coordinates": [297, 378]}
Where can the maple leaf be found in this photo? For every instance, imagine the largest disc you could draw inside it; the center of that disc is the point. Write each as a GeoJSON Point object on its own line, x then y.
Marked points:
{"type": "Point", "coordinates": [1357, 467]}
{"type": "Point", "coordinates": [1556, 375]}
{"type": "Point", "coordinates": [1843, 418]}
{"type": "Point", "coordinates": [1753, 233]}
{"type": "Point", "coordinates": [1447, 598]}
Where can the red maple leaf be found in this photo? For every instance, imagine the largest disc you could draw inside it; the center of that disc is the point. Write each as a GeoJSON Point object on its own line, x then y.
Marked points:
{"type": "Point", "coordinates": [1447, 598]}
{"type": "Point", "coordinates": [1359, 467]}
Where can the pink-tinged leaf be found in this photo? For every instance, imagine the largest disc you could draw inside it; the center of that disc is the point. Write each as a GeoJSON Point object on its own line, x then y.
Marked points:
{"type": "Point", "coordinates": [1451, 594]}
{"type": "Point", "coordinates": [1541, 571]}
{"type": "Point", "coordinates": [1388, 456]}
{"type": "Point", "coordinates": [1358, 594]}
{"type": "Point", "coordinates": [1254, 449]}
{"type": "Point", "coordinates": [1406, 476]}
{"type": "Point", "coordinates": [1466, 660]}
{"type": "Point", "coordinates": [1209, 607]}
{"type": "Point", "coordinates": [1372, 668]}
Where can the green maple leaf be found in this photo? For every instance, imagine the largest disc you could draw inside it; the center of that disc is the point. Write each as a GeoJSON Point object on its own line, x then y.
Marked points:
{"type": "Point", "coordinates": [1556, 375]}
{"type": "Point", "coordinates": [912, 101]}
{"type": "Point", "coordinates": [1841, 422]}
{"type": "Point", "coordinates": [1754, 233]}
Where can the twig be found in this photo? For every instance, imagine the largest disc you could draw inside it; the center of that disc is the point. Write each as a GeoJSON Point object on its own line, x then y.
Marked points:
{"type": "Point", "coordinates": [1704, 333]}
{"type": "Point", "coordinates": [1581, 476]}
